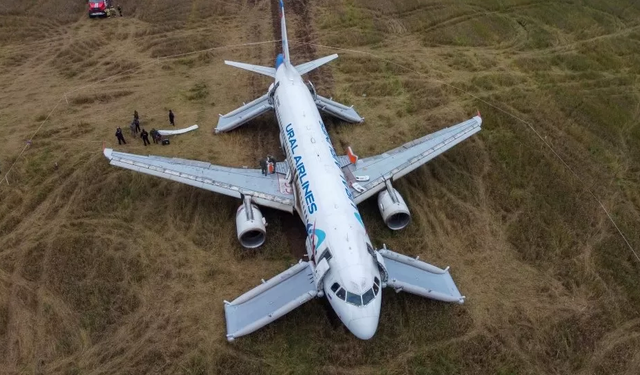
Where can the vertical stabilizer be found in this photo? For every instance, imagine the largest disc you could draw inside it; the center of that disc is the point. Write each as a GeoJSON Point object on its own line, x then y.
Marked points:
{"type": "Point", "coordinates": [283, 28]}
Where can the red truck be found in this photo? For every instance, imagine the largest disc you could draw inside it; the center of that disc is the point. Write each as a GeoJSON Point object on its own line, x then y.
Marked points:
{"type": "Point", "coordinates": [99, 8]}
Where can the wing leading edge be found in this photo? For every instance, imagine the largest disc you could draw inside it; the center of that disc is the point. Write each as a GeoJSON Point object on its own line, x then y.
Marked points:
{"type": "Point", "coordinates": [396, 163]}
{"type": "Point", "coordinates": [268, 191]}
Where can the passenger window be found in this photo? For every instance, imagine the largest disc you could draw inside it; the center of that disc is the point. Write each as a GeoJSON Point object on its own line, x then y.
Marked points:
{"type": "Point", "coordinates": [367, 296]}
{"type": "Point", "coordinates": [376, 288]}
{"type": "Point", "coordinates": [354, 299]}
{"type": "Point", "coordinates": [335, 287]}
{"type": "Point", "coordinates": [340, 293]}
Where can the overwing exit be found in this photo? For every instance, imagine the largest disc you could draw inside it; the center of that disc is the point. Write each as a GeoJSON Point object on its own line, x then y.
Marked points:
{"type": "Point", "coordinates": [324, 188]}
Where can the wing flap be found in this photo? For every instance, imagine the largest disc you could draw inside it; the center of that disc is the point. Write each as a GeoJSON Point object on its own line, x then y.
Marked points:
{"type": "Point", "coordinates": [270, 300]}
{"type": "Point", "coordinates": [243, 114]}
{"type": "Point", "coordinates": [417, 277]}
{"type": "Point", "coordinates": [264, 190]}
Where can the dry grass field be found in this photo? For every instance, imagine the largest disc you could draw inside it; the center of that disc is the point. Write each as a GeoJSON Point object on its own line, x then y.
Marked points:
{"type": "Point", "coordinates": [105, 271]}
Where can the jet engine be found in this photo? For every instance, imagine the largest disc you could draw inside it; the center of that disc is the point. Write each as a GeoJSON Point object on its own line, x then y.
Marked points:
{"type": "Point", "coordinates": [394, 211]}
{"type": "Point", "coordinates": [250, 225]}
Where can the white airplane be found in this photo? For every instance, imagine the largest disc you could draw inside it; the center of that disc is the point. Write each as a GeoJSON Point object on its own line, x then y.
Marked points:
{"type": "Point", "coordinates": [324, 189]}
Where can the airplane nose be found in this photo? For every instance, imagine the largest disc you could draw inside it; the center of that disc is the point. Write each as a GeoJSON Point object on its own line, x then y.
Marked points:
{"type": "Point", "coordinates": [363, 328]}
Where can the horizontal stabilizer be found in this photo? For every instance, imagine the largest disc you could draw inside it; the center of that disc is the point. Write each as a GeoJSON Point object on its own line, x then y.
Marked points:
{"type": "Point", "coordinates": [270, 300]}
{"type": "Point", "coordinates": [417, 277]}
{"type": "Point", "coordinates": [243, 114]}
{"type": "Point", "coordinates": [338, 110]}
{"type": "Point", "coordinates": [264, 70]}
{"type": "Point", "coordinates": [311, 65]}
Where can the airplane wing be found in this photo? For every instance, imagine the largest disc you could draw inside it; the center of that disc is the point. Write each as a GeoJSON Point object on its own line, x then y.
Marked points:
{"type": "Point", "coordinates": [269, 191]}
{"type": "Point", "coordinates": [367, 176]}
{"type": "Point", "coordinates": [270, 300]}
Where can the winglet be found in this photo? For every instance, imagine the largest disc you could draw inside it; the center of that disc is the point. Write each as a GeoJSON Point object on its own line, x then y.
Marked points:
{"type": "Point", "coordinates": [479, 115]}
{"type": "Point", "coordinates": [353, 158]}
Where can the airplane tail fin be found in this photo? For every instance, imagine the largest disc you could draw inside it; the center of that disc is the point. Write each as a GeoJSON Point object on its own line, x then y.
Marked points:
{"type": "Point", "coordinates": [283, 28]}
{"type": "Point", "coordinates": [284, 57]}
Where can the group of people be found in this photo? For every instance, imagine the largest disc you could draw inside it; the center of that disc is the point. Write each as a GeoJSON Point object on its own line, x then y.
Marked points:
{"type": "Point", "coordinates": [135, 128]}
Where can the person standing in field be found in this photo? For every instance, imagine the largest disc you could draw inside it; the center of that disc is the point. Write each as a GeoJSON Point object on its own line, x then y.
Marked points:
{"type": "Point", "coordinates": [120, 10]}
{"type": "Point", "coordinates": [120, 136]}
{"type": "Point", "coordinates": [171, 118]}
{"type": "Point", "coordinates": [135, 115]}
{"type": "Point", "coordinates": [132, 126]}
{"type": "Point", "coordinates": [145, 137]}
{"type": "Point", "coordinates": [154, 135]}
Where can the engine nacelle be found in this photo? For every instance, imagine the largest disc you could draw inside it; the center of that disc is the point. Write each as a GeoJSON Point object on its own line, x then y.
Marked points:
{"type": "Point", "coordinates": [250, 225]}
{"type": "Point", "coordinates": [394, 211]}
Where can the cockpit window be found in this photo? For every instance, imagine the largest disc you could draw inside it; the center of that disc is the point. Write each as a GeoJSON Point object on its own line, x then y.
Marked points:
{"type": "Point", "coordinates": [354, 299]}
{"type": "Point", "coordinates": [376, 280]}
{"type": "Point", "coordinates": [367, 296]}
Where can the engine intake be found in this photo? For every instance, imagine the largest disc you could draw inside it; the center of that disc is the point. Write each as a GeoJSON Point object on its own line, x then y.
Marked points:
{"type": "Point", "coordinates": [394, 211]}
{"type": "Point", "coordinates": [250, 225]}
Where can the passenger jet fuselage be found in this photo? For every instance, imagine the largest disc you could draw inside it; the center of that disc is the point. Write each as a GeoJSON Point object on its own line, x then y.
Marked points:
{"type": "Point", "coordinates": [326, 205]}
